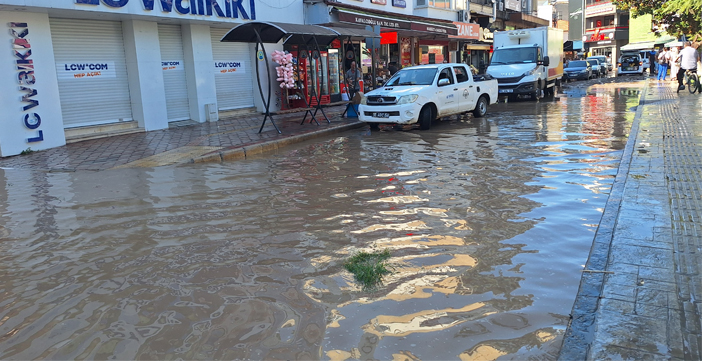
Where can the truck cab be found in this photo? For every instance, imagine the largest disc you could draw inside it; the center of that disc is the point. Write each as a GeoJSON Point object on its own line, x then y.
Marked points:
{"type": "Point", "coordinates": [527, 61]}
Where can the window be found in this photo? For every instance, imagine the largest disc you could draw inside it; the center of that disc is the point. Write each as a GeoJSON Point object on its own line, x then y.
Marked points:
{"type": "Point", "coordinates": [444, 4]}
{"type": "Point", "coordinates": [461, 74]}
{"type": "Point", "coordinates": [446, 74]}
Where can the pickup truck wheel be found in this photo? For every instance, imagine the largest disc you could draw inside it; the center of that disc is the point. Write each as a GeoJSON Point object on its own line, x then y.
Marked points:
{"type": "Point", "coordinates": [425, 118]}
{"type": "Point", "coordinates": [480, 107]}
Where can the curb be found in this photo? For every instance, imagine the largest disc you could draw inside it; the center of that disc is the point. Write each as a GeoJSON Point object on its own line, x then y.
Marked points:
{"type": "Point", "coordinates": [581, 329]}
{"type": "Point", "coordinates": [246, 151]}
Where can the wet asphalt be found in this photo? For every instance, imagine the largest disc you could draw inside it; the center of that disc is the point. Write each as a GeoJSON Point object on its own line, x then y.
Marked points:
{"type": "Point", "coordinates": [640, 292]}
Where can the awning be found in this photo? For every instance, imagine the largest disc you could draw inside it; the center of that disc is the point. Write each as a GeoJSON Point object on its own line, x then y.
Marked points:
{"type": "Point", "coordinates": [272, 32]}
{"type": "Point", "coordinates": [673, 43]}
{"type": "Point", "coordinates": [366, 18]}
{"type": "Point", "coordinates": [642, 45]}
{"type": "Point", "coordinates": [664, 39]}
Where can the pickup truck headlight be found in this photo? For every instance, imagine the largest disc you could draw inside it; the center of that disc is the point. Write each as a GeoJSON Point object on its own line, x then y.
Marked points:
{"type": "Point", "coordinates": [364, 100]}
{"type": "Point", "coordinates": [407, 99]}
{"type": "Point", "coordinates": [530, 72]}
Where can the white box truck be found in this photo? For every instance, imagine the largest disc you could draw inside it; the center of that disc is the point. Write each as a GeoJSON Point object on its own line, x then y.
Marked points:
{"type": "Point", "coordinates": [527, 61]}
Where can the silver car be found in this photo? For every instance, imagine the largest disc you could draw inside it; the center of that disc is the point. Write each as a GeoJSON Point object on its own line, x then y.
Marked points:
{"type": "Point", "coordinates": [603, 60]}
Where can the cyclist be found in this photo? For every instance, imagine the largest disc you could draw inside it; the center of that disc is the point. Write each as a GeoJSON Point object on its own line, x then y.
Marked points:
{"type": "Point", "coordinates": [688, 61]}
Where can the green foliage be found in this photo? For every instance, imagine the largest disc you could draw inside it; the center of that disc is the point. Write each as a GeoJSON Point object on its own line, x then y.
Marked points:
{"type": "Point", "coordinates": [27, 151]}
{"type": "Point", "coordinates": [680, 16]}
{"type": "Point", "coordinates": [369, 268]}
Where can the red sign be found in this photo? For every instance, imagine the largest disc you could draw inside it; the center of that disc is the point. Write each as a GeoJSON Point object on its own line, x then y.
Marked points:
{"type": "Point", "coordinates": [388, 38]}
{"type": "Point", "coordinates": [466, 31]}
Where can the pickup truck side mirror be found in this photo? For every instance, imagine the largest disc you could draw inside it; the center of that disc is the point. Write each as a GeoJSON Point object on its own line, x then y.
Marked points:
{"type": "Point", "coordinates": [443, 82]}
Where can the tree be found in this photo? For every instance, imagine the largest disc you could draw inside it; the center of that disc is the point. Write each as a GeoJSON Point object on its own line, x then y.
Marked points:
{"type": "Point", "coordinates": [676, 17]}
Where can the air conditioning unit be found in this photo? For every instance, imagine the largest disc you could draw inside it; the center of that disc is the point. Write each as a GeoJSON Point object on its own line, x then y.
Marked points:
{"type": "Point", "coordinates": [463, 16]}
{"type": "Point", "coordinates": [211, 112]}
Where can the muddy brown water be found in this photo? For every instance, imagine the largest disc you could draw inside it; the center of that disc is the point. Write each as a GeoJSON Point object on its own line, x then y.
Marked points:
{"type": "Point", "coordinates": [489, 223]}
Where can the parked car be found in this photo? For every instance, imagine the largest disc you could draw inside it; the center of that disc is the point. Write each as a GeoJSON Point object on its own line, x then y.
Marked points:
{"type": "Point", "coordinates": [603, 60]}
{"type": "Point", "coordinates": [577, 69]}
{"type": "Point", "coordinates": [598, 70]}
{"type": "Point", "coordinates": [420, 94]}
{"type": "Point", "coordinates": [630, 63]}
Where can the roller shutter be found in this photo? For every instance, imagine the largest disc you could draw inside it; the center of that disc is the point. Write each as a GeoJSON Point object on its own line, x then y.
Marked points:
{"type": "Point", "coordinates": [176, 86]}
{"type": "Point", "coordinates": [233, 72]}
{"type": "Point", "coordinates": [92, 71]}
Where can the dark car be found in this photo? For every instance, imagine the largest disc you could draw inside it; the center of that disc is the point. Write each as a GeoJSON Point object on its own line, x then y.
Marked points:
{"type": "Point", "coordinates": [577, 69]}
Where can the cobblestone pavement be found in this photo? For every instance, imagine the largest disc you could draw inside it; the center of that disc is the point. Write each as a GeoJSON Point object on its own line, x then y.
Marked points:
{"type": "Point", "coordinates": [640, 293]}
{"type": "Point", "coordinates": [183, 144]}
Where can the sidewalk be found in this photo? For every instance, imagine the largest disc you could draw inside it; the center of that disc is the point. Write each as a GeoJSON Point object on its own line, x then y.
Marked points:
{"type": "Point", "coordinates": [227, 139]}
{"type": "Point", "coordinates": [640, 293]}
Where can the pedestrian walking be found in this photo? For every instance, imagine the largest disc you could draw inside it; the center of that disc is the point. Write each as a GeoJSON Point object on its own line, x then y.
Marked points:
{"type": "Point", "coordinates": [663, 62]}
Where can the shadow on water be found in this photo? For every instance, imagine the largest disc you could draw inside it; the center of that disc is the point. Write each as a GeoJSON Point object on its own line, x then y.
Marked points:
{"type": "Point", "coordinates": [488, 221]}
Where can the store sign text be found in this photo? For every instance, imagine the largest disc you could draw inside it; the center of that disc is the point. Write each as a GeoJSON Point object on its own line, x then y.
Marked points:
{"type": "Point", "coordinates": [172, 65]}
{"type": "Point", "coordinates": [399, 3]}
{"type": "Point", "coordinates": [86, 70]}
{"type": "Point", "coordinates": [224, 67]}
{"type": "Point", "coordinates": [26, 78]}
{"type": "Point", "coordinates": [467, 31]}
{"type": "Point", "coordinates": [231, 8]}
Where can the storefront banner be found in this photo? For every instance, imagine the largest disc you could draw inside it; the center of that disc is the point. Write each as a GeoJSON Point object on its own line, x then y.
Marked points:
{"type": "Point", "coordinates": [82, 70]}
{"type": "Point", "coordinates": [399, 3]}
{"type": "Point", "coordinates": [379, 2]}
{"type": "Point", "coordinates": [466, 31]}
{"type": "Point", "coordinates": [599, 9]}
{"type": "Point", "coordinates": [486, 35]}
{"type": "Point", "coordinates": [225, 67]}
{"type": "Point", "coordinates": [172, 65]}
{"type": "Point", "coordinates": [433, 29]}
{"type": "Point", "coordinates": [372, 20]}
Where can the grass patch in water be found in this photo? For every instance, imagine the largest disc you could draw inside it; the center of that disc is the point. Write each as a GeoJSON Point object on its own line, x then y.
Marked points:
{"type": "Point", "coordinates": [369, 268]}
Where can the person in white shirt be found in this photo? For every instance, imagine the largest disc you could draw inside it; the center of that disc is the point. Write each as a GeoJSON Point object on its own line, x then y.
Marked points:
{"type": "Point", "coordinates": [688, 61]}
{"type": "Point", "coordinates": [663, 62]}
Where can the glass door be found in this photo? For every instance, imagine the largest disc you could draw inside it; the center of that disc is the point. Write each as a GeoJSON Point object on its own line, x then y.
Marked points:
{"type": "Point", "coordinates": [334, 72]}
{"type": "Point", "coordinates": [324, 73]}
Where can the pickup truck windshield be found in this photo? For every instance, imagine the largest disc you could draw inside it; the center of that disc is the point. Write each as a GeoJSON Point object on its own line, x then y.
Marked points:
{"type": "Point", "coordinates": [413, 77]}
{"type": "Point", "coordinates": [514, 56]}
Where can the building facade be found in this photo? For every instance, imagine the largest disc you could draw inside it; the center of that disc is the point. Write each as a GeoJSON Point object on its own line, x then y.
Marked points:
{"type": "Point", "coordinates": [606, 28]}
{"type": "Point", "coordinates": [77, 68]}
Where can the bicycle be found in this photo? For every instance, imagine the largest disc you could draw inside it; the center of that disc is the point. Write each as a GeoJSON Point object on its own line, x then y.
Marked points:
{"type": "Point", "coordinates": [693, 82]}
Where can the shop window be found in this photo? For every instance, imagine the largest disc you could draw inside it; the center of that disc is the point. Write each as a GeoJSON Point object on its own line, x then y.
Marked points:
{"type": "Point", "coordinates": [609, 20]}
{"type": "Point", "coordinates": [444, 4]}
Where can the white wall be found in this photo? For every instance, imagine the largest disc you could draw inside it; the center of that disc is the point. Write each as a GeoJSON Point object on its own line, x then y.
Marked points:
{"type": "Point", "coordinates": [146, 87]}
{"type": "Point", "coordinates": [14, 134]}
{"type": "Point", "coordinates": [197, 49]}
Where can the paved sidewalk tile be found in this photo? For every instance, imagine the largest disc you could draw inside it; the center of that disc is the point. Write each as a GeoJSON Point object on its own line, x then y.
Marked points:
{"type": "Point", "coordinates": [649, 301]}
{"type": "Point", "coordinates": [180, 143]}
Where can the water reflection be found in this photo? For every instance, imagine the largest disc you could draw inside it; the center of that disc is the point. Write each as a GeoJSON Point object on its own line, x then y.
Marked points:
{"type": "Point", "coordinates": [488, 222]}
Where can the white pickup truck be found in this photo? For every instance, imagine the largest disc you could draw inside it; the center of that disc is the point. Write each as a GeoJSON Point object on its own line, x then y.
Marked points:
{"type": "Point", "coordinates": [420, 94]}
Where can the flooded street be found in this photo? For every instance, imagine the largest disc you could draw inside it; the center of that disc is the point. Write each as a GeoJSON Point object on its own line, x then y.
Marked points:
{"type": "Point", "coordinates": [488, 221]}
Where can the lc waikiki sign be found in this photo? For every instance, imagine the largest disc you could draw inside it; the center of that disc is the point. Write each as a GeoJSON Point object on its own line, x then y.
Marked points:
{"type": "Point", "coordinates": [231, 8]}
{"type": "Point", "coordinates": [22, 50]}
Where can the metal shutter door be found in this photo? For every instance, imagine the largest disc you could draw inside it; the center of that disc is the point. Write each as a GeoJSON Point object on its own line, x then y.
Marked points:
{"type": "Point", "coordinates": [234, 90]}
{"type": "Point", "coordinates": [97, 99]}
{"type": "Point", "coordinates": [176, 86]}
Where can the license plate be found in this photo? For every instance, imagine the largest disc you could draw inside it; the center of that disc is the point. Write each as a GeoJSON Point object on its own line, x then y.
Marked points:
{"type": "Point", "coordinates": [505, 90]}
{"type": "Point", "coordinates": [382, 115]}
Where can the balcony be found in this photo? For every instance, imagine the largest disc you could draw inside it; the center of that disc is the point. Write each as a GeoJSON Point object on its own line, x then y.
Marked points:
{"type": "Point", "coordinates": [600, 8]}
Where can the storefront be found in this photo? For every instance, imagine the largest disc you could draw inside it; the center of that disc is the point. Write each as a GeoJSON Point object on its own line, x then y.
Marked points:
{"type": "Point", "coordinates": [105, 67]}
{"type": "Point", "coordinates": [475, 47]}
